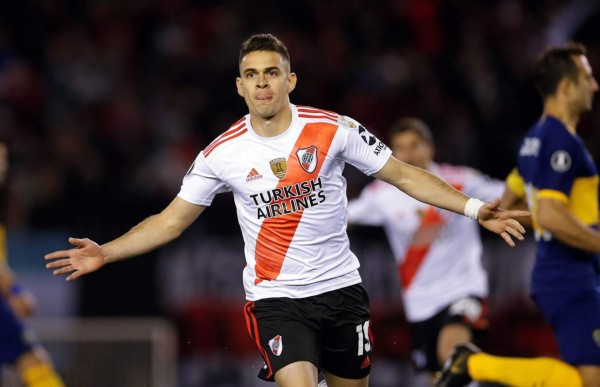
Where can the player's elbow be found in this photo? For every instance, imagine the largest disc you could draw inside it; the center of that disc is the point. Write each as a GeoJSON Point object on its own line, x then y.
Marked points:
{"type": "Point", "coordinates": [544, 220]}
{"type": "Point", "coordinates": [173, 229]}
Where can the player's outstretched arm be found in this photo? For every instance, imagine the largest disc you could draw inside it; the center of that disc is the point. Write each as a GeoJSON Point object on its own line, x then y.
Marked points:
{"type": "Point", "coordinates": [87, 256]}
{"type": "Point", "coordinates": [430, 189]}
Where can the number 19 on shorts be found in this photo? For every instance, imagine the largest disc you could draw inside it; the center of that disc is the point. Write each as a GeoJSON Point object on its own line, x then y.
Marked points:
{"type": "Point", "coordinates": [364, 345]}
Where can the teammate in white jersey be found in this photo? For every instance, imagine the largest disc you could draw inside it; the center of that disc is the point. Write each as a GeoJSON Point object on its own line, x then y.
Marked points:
{"type": "Point", "coordinates": [306, 308]}
{"type": "Point", "coordinates": [444, 285]}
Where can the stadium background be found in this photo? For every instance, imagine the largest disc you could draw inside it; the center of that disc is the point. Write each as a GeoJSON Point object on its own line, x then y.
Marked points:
{"type": "Point", "coordinates": [104, 105]}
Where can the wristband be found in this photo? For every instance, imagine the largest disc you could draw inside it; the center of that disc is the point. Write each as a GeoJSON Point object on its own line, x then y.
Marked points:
{"type": "Point", "coordinates": [15, 290]}
{"type": "Point", "coordinates": [472, 208]}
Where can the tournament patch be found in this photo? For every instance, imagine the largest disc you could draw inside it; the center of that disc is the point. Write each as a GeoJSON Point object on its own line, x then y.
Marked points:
{"type": "Point", "coordinates": [279, 167]}
{"type": "Point", "coordinates": [560, 161]}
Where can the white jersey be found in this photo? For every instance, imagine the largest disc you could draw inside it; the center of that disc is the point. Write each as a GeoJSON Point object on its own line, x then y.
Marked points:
{"type": "Point", "coordinates": [438, 252]}
{"type": "Point", "coordinates": [290, 197]}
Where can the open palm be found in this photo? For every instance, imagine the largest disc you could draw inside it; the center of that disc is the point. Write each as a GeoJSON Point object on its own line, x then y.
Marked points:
{"type": "Point", "coordinates": [86, 257]}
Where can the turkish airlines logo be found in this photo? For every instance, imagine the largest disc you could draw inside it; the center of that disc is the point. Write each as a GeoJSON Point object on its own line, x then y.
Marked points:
{"type": "Point", "coordinates": [276, 345]}
{"type": "Point", "coordinates": [307, 157]}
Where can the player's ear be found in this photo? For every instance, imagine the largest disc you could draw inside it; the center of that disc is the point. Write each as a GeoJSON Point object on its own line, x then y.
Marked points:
{"type": "Point", "coordinates": [565, 86]}
{"type": "Point", "coordinates": [292, 79]}
{"type": "Point", "coordinates": [238, 84]}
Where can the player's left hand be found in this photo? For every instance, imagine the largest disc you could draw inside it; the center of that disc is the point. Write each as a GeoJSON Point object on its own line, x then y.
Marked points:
{"type": "Point", "coordinates": [501, 222]}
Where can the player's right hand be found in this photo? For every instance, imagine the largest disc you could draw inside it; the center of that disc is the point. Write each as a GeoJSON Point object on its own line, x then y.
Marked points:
{"type": "Point", "coordinates": [85, 258]}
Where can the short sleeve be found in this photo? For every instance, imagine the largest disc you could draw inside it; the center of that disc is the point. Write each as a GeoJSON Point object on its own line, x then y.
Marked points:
{"type": "Point", "coordinates": [559, 161]}
{"type": "Point", "coordinates": [515, 182]}
{"type": "Point", "coordinates": [362, 149]}
{"type": "Point", "coordinates": [201, 184]}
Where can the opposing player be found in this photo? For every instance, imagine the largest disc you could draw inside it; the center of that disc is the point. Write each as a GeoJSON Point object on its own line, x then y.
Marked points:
{"type": "Point", "coordinates": [444, 284]}
{"type": "Point", "coordinates": [306, 307]}
{"type": "Point", "coordinates": [17, 347]}
{"type": "Point", "coordinates": [557, 177]}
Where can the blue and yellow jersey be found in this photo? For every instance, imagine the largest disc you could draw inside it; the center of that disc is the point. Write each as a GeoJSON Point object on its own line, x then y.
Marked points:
{"type": "Point", "coordinates": [554, 163]}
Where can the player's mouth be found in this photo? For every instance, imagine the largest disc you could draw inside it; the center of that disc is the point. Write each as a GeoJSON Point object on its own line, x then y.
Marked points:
{"type": "Point", "coordinates": [264, 97]}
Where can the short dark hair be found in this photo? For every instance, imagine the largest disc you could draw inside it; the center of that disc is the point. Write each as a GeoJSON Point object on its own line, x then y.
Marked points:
{"type": "Point", "coordinates": [411, 124]}
{"type": "Point", "coordinates": [263, 42]}
{"type": "Point", "coordinates": [554, 65]}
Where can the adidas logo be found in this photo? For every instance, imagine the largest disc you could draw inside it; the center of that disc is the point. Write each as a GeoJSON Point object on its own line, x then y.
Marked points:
{"type": "Point", "coordinates": [253, 175]}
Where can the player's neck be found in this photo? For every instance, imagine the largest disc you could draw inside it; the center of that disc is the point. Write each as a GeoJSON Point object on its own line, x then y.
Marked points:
{"type": "Point", "coordinates": [561, 112]}
{"type": "Point", "coordinates": [273, 125]}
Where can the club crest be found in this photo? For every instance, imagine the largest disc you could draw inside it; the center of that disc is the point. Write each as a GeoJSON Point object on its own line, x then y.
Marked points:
{"type": "Point", "coordinates": [276, 345]}
{"type": "Point", "coordinates": [279, 167]}
{"type": "Point", "coordinates": [307, 157]}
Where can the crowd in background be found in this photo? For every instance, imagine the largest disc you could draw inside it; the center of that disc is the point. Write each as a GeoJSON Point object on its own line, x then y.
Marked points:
{"type": "Point", "coordinates": [105, 104]}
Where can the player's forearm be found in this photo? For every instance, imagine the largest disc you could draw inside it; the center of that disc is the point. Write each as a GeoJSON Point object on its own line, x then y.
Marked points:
{"type": "Point", "coordinates": [585, 240]}
{"type": "Point", "coordinates": [153, 232]}
{"type": "Point", "coordinates": [432, 190]}
{"type": "Point", "coordinates": [568, 229]}
{"type": "Point", "coordinates": [423, 186]}
{"type": "Point", "coordinates": [577, 235]}
{"type": "Point", "coordinates": [148, 235]}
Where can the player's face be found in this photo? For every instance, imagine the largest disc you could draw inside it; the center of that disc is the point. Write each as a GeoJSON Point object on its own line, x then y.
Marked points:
{"type": "Point", "coordinates": [410, 148]}
{"type": "Point", "coordinates": [586, 86]}
{"type": "Point", "coordinates": [265, 82]}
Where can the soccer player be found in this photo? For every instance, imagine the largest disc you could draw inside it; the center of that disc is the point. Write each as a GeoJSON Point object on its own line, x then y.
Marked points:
{"type": "Point", "coordinates": [557, 177]}
{"type": "Point", "coordinates": [444, 285]}
{"type": "Point", "coordinates": [306, 309]}
{"type": "Point", "coordinates": [17, 347]}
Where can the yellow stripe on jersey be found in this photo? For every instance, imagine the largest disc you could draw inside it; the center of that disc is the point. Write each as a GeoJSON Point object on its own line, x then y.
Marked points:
{"type": "Point", "coordinates": [552, 194]}
{"type": "Point", "coordinates": [584, 199]}
{"type": "Point", "coordinates": [515, 182]}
